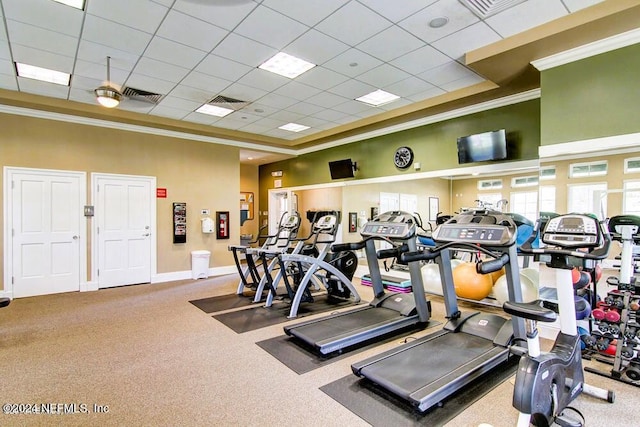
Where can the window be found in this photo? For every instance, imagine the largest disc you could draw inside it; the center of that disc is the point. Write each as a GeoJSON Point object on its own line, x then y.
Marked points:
{"type": "Point", "coordinates": [524, 181]}
{"type": "Point", "coordinates": [525, 203]}
{"type": "Point", "coordinates": [547, 198]}
{"type": "Point", "coordinates": [547, 172]}
{"type": "Point", "coordinates": [489, 184]}
{"type": "Point", "coordinates": [581, 170]}
{"type": "Point", "coordinates": [632, 165]}
{"type": "Point", "coordinates": [631, 198]}
{"type": "Point", "coordinates": [588, 198]}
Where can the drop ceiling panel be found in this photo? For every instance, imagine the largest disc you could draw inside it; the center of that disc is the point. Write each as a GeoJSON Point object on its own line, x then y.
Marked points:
{"type": "Point", "coordinates": [297, 91]}
{"type": "Point", "coordinates": [97, 53]}
{"type": "Point", "coordinates": [322, 78]}
{"type": "Point", "coordinates": [223, 68]}
{"type": "Point", "coordinates": [143, 15]}
{"type": "Point", "coordinates": [201, 35]}
{"type": "Point", "coordinates": [458, 16]}
{"type": "Point", "coordinates": [575, 5]}
{"type": "Point", "coordinates": [48, 40]}
{"type": "Point", "coordinates": [277, 101]}
{"type": "Point", "coordinates": [45, 14]}
{"type": "Point", "coordinates": [390, 44]}
{"type": "Point", "coordinates": [223, 15]}
{"type": "Point", "coordinates": [368, 23]}
{"type": "Point", "coordinates": [427, 94]}
{"type": "Point", "coordinates": [179, 103]}
{"type": "Point", "coordinates": [115, 35]}
{"type": "Point", "coordinates": [7, 67]}
{"type": "Point", "coordinates": [203, 119]}
{"type": "Point", "coordinates": [41, 58]}
{"type": "Point", "coordinates": [260, 23]}
{"type": "Point", "coordinates": [352, 89]}
{"type": "Point", "coordinates": [244, 50]}
{"type": "Point", "coordinates": [421, 60]}
{"type": "Point", "coordinates": [5, 53]}
{"type": "Point", "coordinates": [461, 83]}
{"type": "Point", "coordinates": [174, 53]}
{"type": "Point", "coordinates": [408, 87]}
{"type": "Point", "coordinates": [470, 38]}
{"type": "Point", "coordinates": [149, 84]}
{"type": "Point", "coordinates": [332, 115]}
{"type": "Point", "coordinates": [263, 79]}
{"type": "Point", "coordinates": [243, 92]}
{"type": "Point", "coordinates": [383, 75]}
{"type": "Point", "coordinates": [316, 47]}
{"type": "Point", "coordinates": [172, 113]}
{"type": "Point", "coordinates": [161, 70]}
{"type": "Point", "coordinates": [526, 15]}
{"type": "Point", "coordinates": [327, 99]}
{"type": "Point", "coordinates": [396, 11]}
{"type": "Point", "coordinates": [305, 108]}
{"type": "Point", "coordinates": [201, 81]}
{"type": "Point", "coordinates": [8, 82]}
{"type": "Point", "coordinates": [42, 88]}
{"type": "Point", "coordinates": [352, 63]}
{"type": "Point", "coordinates": [199, 96]}
{"type": "Point", "coordinates": [446, 73]}
{"type": "Point", "coordinates": [354, 107]}
{"type": "Point", "coordinates": [309, 12]}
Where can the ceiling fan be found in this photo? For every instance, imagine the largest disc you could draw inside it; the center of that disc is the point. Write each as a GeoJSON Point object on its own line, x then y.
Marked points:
{"type": "Point", "coordinates": [110, 95]}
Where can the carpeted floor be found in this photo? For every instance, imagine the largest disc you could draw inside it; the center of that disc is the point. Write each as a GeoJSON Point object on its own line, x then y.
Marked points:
{"type": "Point", "coordinates": [144, 356]}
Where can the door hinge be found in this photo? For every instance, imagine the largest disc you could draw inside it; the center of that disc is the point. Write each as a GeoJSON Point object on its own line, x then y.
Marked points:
{"type": "Point", "coordinates": [12, 280]}
{"type": "Point", "coordinates": [98, 272]}
{"type": "Point", "coordinates": [13, 185]}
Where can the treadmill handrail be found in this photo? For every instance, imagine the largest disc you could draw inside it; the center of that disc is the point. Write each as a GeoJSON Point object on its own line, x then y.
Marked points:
{"type": "Point", "coordinates": [432, 253]}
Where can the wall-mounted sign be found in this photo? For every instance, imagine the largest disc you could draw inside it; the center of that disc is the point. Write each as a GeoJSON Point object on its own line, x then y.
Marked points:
{"type": "Point", "coordinates": [161, 193]}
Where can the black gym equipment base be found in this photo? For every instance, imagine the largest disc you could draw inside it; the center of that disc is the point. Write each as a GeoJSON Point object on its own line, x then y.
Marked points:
{"type": "Point", "coordinates": [302, 358]}
{"type": "Point", "coordinates": [260, 317]}
{"type": "Point", "coordinates": [381, 408]}
{"type": "Point", "coordinates": [223, 302]}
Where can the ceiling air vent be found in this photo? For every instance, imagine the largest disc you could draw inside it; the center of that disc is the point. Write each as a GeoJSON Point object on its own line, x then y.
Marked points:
{"type": "Point", "coordinates": [226, 102]}
{"type": "Point", "coordinates": [141, 95]}
{"type": "Point", "coordinates": [487, 8]}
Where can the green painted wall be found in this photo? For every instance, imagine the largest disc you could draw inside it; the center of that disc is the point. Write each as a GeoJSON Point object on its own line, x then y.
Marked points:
{"type": "Point", "coordinates": [591, 98]}
{"type": "Point", "coordinates": [434, 147]}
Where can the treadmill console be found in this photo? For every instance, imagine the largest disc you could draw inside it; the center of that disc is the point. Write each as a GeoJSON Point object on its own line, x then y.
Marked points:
{"type": "Point", "coordinates": [391, 225]}
{"type": "Point", "coordinates": [572, 230]}
{"type": "Point", "coordinates": [479, 227]}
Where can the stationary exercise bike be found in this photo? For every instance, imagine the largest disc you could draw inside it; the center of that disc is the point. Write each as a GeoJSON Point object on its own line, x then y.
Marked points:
{"type": "Point", "coordinates": [547, 382]}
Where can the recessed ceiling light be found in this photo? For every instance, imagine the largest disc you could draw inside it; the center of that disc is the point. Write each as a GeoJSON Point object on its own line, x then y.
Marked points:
{"type": "Point", "coordinates": [42, 74]}
{"type": "Point", "coordinates": [78, 4]}
{"type": "Point", "coordinates": [439, 22]}
{"type": "Point", "coordinates": [293, 127]}
{"type": "Point", "coordinates": [377, 98]}
{"type": "Point", "coordinates": [214, 110]}
{"type": "Point", "coordinates": [286, 65]}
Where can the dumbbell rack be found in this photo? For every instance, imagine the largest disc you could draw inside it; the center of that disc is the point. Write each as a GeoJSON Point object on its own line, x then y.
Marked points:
{"type": "Point", "coordinates": [626, 330]}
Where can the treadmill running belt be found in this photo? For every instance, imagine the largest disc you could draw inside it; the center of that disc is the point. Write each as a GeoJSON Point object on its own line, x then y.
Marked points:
{"type": "Point", "coordinates": [411, 370]}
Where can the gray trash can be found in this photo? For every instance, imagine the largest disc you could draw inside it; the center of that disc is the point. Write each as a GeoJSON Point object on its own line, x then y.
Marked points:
{"type": "Point", "coordinates": [200, 264]}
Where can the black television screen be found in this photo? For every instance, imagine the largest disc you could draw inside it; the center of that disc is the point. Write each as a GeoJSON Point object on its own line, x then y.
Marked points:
{"type": "Point", "coordinates": [341, 169]}
{"type": "Point", "coordinates": [482, 147]}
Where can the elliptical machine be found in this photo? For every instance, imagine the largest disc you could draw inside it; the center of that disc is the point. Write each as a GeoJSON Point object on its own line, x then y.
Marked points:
{"type": "Point", "coordinates": [547, 382]}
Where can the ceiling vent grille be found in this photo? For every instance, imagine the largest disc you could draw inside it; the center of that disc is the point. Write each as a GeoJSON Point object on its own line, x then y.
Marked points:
{"type": "Point", "coordinates": [487, 8]}
{"type": "Point", "coordinates": [141, 95]}
{"type": "Point", "coordinates": [226, 102]}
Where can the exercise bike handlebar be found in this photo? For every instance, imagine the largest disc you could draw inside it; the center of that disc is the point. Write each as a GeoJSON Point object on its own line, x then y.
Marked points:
{"type": "Point", "coordinates": [482, 267]}
{"type": "Point", "coordinates": [597, 253]}
{"type": "Point", "coordinates": [393, 252]}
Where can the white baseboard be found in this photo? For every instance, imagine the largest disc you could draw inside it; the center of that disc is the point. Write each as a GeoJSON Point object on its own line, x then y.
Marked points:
{"type": "Point", "coordinates": [186, 274]}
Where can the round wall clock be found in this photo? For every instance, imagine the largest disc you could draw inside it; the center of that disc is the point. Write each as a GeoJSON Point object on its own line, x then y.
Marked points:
{"type": "Point", "coordinates": [403, 157]}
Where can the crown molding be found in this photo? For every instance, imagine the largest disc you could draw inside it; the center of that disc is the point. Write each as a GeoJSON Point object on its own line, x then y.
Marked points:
{"type": "Point", "coordinates": [588, 50]}
{"type": "Point", "coordinates": [627, 142]}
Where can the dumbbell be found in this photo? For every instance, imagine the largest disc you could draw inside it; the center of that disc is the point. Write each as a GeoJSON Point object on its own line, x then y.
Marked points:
{"type": "Point", "coordinates": [614, 302]}
{"type": "Point", "coordinates": [634, 305]}
{"type": "Point", "coordinates": [630, 332]}
{"type": "Point", "coordinates": [626, 351]}
{"type": "Point", "coordinates": [633, 373]}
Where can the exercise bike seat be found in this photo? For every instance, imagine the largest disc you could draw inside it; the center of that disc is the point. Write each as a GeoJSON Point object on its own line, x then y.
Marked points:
{"type": "Point", "coordinates": [530, 310]}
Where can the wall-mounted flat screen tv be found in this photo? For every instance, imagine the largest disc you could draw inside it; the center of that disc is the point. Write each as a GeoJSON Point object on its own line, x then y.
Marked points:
{"type": "Point", "coordinates": [482, 147]}
{"type": "Point", "coordinates": [341, 169]}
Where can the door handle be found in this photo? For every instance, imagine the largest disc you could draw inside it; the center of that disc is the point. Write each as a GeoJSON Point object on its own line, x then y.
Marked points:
{"type": "Point", "coordinates": [146, 235]}
{"type": "Point", "coordinates": [75, 237]}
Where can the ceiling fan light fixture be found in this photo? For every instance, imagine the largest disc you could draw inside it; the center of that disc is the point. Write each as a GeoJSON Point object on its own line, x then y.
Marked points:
{"type": "Point", "coordinates": [108, 96]}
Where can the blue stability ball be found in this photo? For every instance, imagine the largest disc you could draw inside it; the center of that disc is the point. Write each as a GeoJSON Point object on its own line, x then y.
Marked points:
{"type": "Point", "coordinates": [583, 308]}
{"type": "Point", "coordinates": [523, 234]}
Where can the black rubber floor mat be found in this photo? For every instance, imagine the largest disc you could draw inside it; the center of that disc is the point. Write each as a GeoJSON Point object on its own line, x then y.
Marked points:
{"type": "Point", "coordinates": [223, 302]}
{"type": "Point", "coordinates": [302, 358]}
{"type": "Point", "coordinates": [381, 408]}
{"type": "Point", "coordinates": [260, 317]}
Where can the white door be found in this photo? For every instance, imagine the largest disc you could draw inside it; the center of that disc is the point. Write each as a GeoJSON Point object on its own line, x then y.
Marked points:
{"type": "Point", "coordinates": [278, 206]}
{"type": "Point", "coordinates": [46, 212]}
{"type": "Point", "coordinates": [123, 217]}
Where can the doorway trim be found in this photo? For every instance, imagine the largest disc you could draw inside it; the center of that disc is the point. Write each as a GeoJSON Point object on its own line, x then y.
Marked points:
{"type": "Point", "coordinates": [95, 176]}
{"type": "Point", "coordinates": [7, 206]}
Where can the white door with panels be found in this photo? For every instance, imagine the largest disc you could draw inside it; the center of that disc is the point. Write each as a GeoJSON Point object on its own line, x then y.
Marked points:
{"type": "Point", "coordinates": [44, 220]}
{"type": "Point", "coordinates": [124, 218]}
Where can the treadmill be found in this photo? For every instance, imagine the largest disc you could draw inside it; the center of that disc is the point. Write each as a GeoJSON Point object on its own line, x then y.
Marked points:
{"type": "Point", "coordinates": [388, 313]}
{"type": "Point", "coordinates": [427, 370]}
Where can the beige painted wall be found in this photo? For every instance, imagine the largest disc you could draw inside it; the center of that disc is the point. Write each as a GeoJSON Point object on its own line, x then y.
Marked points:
{"type": "Point", "coordinates": [205, 176]}
{"type": "Point", "coordinates": [317, 200]}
